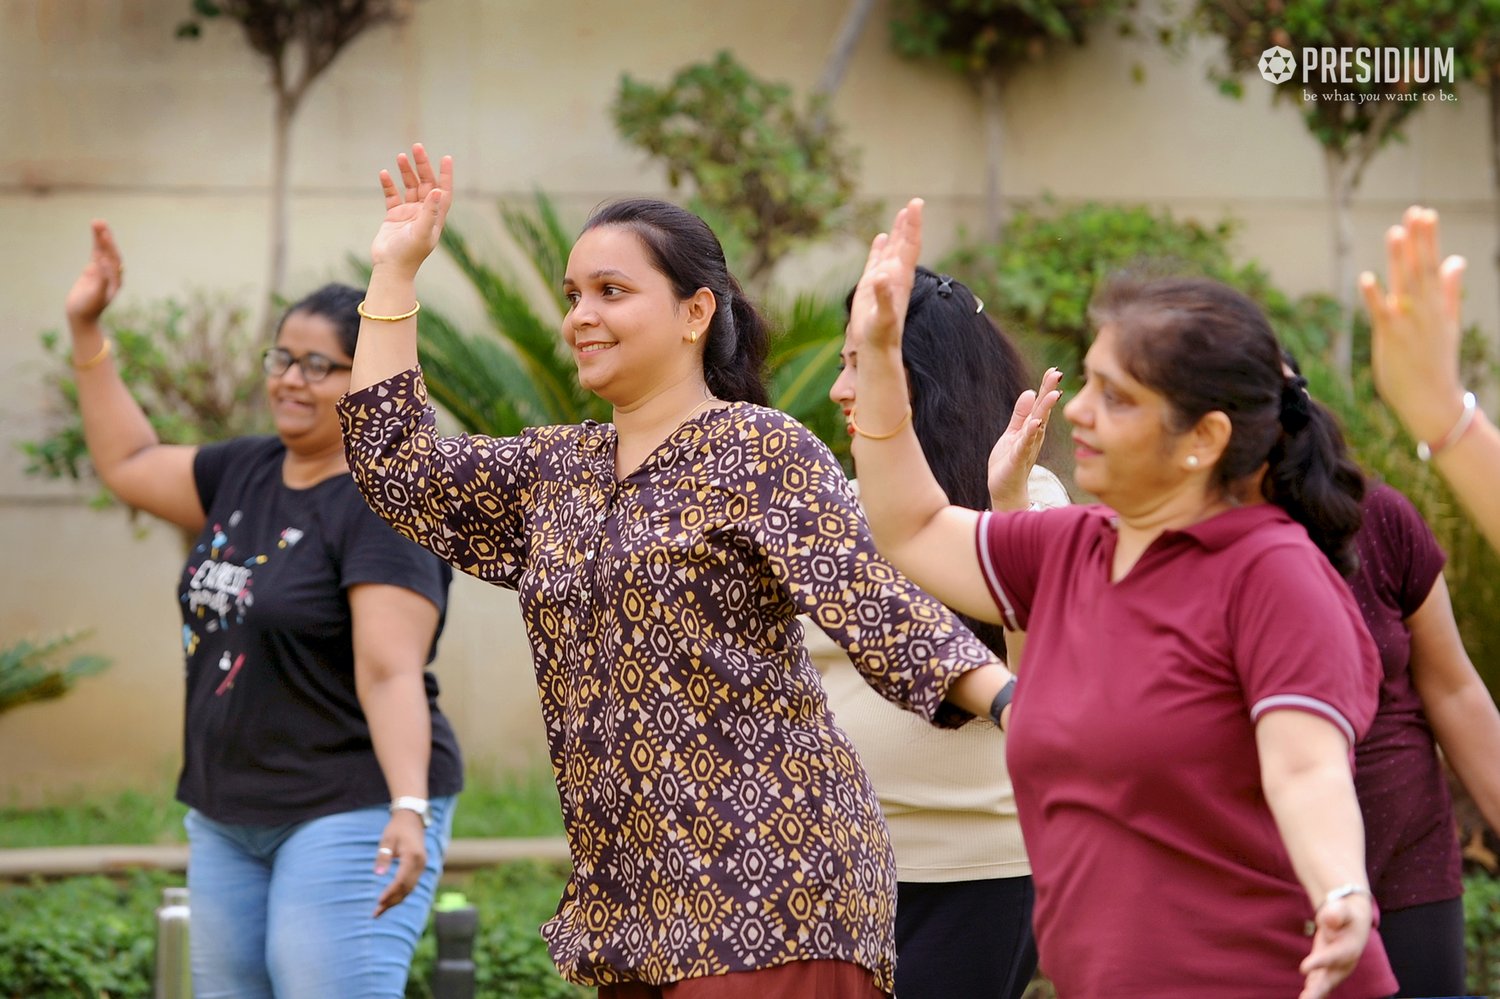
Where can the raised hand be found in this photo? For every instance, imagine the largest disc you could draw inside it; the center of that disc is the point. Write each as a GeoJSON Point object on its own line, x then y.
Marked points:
{"type": "Point", "coordinates": [1016, 452]}
{"type": "Point", "coordinates": [878, 311]}
{"type": "Point", "coordinates": [1415, 327]}
{"type": "Point", "coordinates": [414, 212]}
{"type": "Point", "coordinates": [98, 282]}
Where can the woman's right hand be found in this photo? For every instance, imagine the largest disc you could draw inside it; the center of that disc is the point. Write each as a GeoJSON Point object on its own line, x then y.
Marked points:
{"type": "Point", "coordinates": [1342, 929]}
{"type": "Point", "coordinates": [1415, 327]}
{"type": "Point", "coordinates": [99, 281]}
{"type": "Point", "coordinates": [414, 212]}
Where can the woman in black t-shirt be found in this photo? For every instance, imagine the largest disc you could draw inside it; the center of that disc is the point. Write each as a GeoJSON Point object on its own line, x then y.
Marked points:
{"type": "Point", "coordinates": [319, 771]}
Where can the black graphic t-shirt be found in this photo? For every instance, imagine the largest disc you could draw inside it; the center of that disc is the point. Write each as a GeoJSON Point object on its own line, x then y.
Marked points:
{"type": "Point", "coordinates": [275, 732]}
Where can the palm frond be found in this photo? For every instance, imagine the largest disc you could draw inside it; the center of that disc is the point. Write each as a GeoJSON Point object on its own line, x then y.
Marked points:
{"type": "Point", "coordinates": [29, 673]}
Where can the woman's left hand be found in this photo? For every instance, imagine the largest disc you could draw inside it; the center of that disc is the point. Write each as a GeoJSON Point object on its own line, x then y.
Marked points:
{"type": "Point", "coordinates": [1343, 929]}
{"type": "Point", "coordinates": [404, 842]}
{"type": "Point", "coordinates": [1016, 452]}
{"type": "Point", "coordinates": [878, 310]}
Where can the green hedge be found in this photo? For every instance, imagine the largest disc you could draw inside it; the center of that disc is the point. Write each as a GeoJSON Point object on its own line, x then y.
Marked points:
{"type": "Point", "coordinates": [81, 937]}
{"type": "Point", "coordinates": [94, 937]}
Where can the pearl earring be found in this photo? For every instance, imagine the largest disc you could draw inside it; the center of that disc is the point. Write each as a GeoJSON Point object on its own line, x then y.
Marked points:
{"type": "Point", "coordinates": [1192, 461]}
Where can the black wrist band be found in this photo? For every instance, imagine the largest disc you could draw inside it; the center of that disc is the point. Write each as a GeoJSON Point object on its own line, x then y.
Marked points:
{"type": "Point", "coordinates": [997, 706]}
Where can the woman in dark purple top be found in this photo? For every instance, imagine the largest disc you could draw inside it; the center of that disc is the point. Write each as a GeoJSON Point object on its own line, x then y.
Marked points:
{"type": "Point", "coordinates": [1430, 696]}
{"type": "Point", "coordinates": [1411, 845]}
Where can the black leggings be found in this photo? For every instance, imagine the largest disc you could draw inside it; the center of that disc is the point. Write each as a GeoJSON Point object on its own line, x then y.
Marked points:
{"type": "Point", "coordinates": [964, 939]}
{"type": "Point", "coordinates": [1426, 946]}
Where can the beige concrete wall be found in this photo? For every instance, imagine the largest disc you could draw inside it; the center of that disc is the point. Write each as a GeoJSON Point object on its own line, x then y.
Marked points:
{"type": "Point", "coordinates": [108, 115]}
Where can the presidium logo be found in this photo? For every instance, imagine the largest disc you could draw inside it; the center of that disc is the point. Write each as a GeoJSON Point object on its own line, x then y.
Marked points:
{"type": "Point", "coordinates": [1386, 65]}
{"type": "Point", "coordinates": [1277, 64]}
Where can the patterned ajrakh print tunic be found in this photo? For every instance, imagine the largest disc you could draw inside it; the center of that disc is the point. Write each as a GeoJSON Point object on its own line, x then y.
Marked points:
{"type": "Point", "coordinates": [718, 820]}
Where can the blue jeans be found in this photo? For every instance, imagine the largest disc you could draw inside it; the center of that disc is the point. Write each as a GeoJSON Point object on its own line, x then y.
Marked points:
{"type": "Point", "coordinates": [285, 911]}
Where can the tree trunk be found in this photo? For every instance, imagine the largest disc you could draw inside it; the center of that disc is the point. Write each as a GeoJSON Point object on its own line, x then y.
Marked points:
{"type": "Point", "coordinates": [281, 138]}
{"type": "Point", "coordinates": [1340, 177]}
{"type": "Point", "coordinates": [994, 149]}
{"type": "Point", "coordinates": [839, 57]}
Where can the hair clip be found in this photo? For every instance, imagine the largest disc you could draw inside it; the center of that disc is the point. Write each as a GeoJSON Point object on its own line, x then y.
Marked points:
{"type": "Point", "coordinates": [945, 285]}
{"type": "Point", "coordinates": [980, 307]}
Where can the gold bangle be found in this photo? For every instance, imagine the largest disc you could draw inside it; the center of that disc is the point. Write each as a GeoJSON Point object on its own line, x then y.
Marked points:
{"type": "Point", "coordinates": [360, 308]}
{"type": "Point", "coordinates": [97, 359]}
{"type": "Point", "coordinates": [879, 437]}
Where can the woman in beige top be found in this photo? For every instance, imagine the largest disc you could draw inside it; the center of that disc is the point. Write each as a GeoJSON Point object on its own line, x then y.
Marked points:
{"type": "Point", "coordinates": [963, 911]}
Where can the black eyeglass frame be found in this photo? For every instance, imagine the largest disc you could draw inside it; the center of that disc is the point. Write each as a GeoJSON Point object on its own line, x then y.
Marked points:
{"type": "Point", "coordinates": [277, 361]}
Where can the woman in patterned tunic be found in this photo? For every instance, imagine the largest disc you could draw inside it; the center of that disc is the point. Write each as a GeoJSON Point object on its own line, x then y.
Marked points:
{"type": "Point", "coordinates": [725, 840]}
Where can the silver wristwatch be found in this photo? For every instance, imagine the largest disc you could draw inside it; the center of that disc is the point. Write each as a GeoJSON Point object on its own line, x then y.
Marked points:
{"type": "Point", "coordinates": [409, 803]}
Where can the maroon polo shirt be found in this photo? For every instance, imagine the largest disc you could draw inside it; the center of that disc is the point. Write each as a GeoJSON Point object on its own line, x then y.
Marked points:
{"type": "Point", "coordinates": [1159, 869]}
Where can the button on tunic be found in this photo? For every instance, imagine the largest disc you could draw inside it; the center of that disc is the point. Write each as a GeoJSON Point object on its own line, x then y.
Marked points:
{"type": "Point", "coordinates": [718, 820]}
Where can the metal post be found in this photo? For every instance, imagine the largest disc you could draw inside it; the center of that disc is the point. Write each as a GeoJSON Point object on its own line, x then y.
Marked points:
{"type": "Point", "coordinates": [174, 975]}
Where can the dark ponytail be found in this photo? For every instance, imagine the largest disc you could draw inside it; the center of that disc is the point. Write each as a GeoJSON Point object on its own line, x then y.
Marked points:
{"type": "Point", "coordinates": [1207, 348]}
{"type": "Point", "coordinates": [738, 342]}
{"type": "Point", "coordinates": [1312, 477]}
{"type": "Point", "coordinates": [686, 251]}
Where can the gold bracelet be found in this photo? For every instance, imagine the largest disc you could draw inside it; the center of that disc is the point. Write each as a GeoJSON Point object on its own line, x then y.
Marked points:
{"type": "Point", "coordinates": [360, 308]}
{"type": "Point", "coordinates": [879, 437]}
{"type": "Point", "coordinates": [97, 359]}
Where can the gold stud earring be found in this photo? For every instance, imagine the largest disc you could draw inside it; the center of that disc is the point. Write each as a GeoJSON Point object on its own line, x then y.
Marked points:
{"type": "Point", "coordinates": [692, 336]}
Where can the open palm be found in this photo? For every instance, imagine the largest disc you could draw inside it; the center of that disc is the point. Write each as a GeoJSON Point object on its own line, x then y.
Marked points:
{"type": "Point", "coordinates": [878, 310]}
{"type": "Point", "coordinates": [100, 279]}
{"type": "Point", "coordinates": [414, 211]}
{"type": "Point", "coordinates": [1017, 450]}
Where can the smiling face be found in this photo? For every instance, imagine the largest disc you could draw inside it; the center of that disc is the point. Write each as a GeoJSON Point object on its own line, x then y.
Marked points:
{"type": "Point", "coordinates": [304, 412]}
{"type": "Point", "coordinates": [628, 329]}
{"type": "Point", "coordinates": [1126, 452]}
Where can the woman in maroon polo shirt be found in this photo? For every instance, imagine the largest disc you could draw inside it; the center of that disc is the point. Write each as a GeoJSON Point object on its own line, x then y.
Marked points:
{"type": "Point", "coordinates": [1180, 749]}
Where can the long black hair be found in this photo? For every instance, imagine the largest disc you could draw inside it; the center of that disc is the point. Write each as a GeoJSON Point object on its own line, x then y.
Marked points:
{"type": "Point", "coordinates": [684, 249]}
{"type": "Point", "coordinates": [1205, 347]}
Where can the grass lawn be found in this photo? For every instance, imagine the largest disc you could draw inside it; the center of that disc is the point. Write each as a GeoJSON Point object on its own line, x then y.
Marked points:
{"type": "Point", "coordinates": [515, 805]}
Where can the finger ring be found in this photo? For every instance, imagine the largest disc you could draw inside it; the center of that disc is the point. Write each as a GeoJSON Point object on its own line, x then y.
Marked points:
{"type": "Point", "coordinates": [387, 851]}
{"type": "Point", "coordinates": [1403, 304]}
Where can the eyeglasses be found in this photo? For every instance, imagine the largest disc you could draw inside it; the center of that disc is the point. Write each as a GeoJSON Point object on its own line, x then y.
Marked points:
{"type": "Point", "coordinates": [315, 367]}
